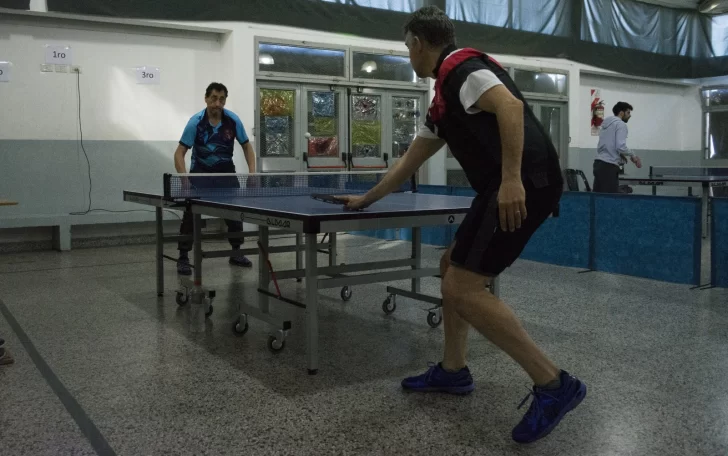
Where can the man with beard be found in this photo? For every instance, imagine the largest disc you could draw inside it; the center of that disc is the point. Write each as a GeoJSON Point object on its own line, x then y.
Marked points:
{"type": "Point", "coordinates": [612, 150]}
{"type": "Point", "coordinates": [211, 134]}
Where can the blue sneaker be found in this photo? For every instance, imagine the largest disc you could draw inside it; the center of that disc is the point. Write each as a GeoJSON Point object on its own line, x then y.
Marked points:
{"type": "Point", "coordinates": [548, 408]}
{"type": "Point", "coordinates": [183, 266]}
{"type": "Point", "coordinates": [242, 261]}
{"type": "Point", "coordinates": [437, 379]}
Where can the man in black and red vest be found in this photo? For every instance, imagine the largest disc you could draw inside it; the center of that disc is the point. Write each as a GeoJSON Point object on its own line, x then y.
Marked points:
{"type": "Point", "coordinates": [513, 166]}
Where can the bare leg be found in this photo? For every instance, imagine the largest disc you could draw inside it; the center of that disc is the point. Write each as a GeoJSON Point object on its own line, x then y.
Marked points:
{"type": "Point", "coordinates": [464, 292]}
{"type": "Point", "coordinates": [456, 329]}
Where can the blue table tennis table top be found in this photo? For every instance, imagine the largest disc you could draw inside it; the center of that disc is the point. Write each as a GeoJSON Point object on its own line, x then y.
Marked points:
{"type": "Point", "coordinates": [302, 206]}
{"type": "Point", "coordinates": [311, 213]}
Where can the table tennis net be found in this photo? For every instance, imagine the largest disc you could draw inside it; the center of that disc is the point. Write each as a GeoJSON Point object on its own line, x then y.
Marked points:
{"type": "Point", "coordinates": [182, 186]}
{"type": "Point", "coordinates": [687, 171]}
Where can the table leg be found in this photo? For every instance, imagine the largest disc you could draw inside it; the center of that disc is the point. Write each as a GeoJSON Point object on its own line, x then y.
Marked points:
{"type": "Point", "coordinates": [495, 287]}
{"type": "Point", "coordinates": [417, 256]}
{"type": "Point", "coordinates": [705, 200]}
{"type": "Point", "coordinates": [197, 247]}
{"type": "Point", "coordinates": [311, 303]}
{"type": "Point", "coordinates": [263, 272]}
{"type": "Point", "coordinates": [197, 297]}
{"type": "Point", "coordinates": [299, 252]}
{"type": "Point", "coordinates": [332, 249]}
{"type": "Point", "coordinates": [160, 252]}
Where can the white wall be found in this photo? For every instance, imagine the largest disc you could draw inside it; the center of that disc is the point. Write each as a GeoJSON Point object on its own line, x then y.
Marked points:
{"type": "Point", "coordinates": [665, 117]}
{"type": "Point", "coordinates": [129, 130]}
{"type": "Point", "coordinates": [114, 106]}
{"type": "Point", "coordinates": [664, 130]}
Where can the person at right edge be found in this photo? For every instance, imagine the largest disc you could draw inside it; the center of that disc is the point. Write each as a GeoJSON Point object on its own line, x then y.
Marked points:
{"type": "Point", "coordinates": [612, 150]}
{"type": "Point", "coordinates": [514, 168]}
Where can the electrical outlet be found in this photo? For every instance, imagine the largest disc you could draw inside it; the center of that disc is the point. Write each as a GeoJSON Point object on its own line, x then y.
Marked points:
{"type": "Point", "coordinates": [76, 69]}
{"type": "Point", "coordinates": [46, 68]}
{"type": "Point", "coordinates": [61, 68]}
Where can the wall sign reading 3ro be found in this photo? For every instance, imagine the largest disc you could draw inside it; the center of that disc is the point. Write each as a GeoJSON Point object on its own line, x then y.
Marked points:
{"type": "Point", "coordinates": [148, 75]}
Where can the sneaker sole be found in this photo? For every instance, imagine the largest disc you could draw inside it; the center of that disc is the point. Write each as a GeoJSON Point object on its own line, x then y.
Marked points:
{"type": "Point", "coordinates": [457, 390]}
{"type": "Point", "coordinates": [6, 359]}
{"type": "Point", "coordinates": [578, 397]}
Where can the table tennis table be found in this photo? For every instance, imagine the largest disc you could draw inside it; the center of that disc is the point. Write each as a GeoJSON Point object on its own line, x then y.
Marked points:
{"type": "Point", "coordinates": [707, 178]}
{"type": "Point", "coordinates": [282, 201]}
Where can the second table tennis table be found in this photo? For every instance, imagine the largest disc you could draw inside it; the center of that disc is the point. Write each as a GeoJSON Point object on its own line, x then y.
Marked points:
{"type": "Point", "coordinates": [283, 201]}
{"type": "Point", "coordinates": [707, 178]}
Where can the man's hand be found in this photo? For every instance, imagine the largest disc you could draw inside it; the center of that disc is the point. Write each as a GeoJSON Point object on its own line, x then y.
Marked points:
{"type": "Point", "coordinates": [511, 204]}
{"type": "Point", "coordinates": [355, 202]}
{"type": "Point", "coordinates": [637, 161]}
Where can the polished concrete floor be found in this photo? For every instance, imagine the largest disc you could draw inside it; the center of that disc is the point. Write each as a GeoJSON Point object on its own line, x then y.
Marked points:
{"type": "Point", "coordinates": [105, 367]}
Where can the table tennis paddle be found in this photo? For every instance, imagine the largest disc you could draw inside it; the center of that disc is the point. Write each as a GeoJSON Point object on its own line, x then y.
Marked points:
{"type": "Point", "coordinates": [331, 199]}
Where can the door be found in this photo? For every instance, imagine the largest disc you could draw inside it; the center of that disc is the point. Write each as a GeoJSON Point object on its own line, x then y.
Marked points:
{"type": "Point", "coordinates": [406, 118]}
{"type": "Point", "coordinates": [554, 120]}
{"type": "Point", "coordinates": [324, 145]}
{"type": "Point", "coordinates": [368, 150]}
{"type": "Point", "coordinates": [278, 127]}
{"type": "Point", "coordinates": [554, 117]}
{"type": "Point", "coordinates": [326, 128]}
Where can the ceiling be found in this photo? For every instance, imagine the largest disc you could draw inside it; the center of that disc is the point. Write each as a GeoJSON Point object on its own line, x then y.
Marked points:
{"type": "Point", "coordinates": [689, 4]}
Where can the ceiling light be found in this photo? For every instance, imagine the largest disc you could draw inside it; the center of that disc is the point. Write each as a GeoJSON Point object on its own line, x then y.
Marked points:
{"type": "Point", "coordinates": [369, 66]}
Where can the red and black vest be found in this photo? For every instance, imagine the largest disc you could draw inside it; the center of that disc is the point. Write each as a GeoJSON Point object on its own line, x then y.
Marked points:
{"type": "Point", "coordinates": [474, 139]}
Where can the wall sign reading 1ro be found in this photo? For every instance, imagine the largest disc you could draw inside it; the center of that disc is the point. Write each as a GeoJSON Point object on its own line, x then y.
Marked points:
{"type": "Point", "coordinates": [58, 55]}
{"type": "Point", "coordinates": [4, 71]}
{"type": "Point", "coordinates": [147, 75]}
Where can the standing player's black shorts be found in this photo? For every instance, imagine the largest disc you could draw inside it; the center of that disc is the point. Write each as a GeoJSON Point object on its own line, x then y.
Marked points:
{"type": "Point", "coordinates": [481, 246]}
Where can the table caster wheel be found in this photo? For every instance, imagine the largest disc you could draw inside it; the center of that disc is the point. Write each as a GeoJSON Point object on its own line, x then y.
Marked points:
{"type": "Point", "coordinates": [346, 293]}
{"type": "Point", "coordinates": [434, 319]}
{"type": "Point", "coordinates": [181, 298]}
{"type": "Point", "coordinates": [240, 327]}
{"type": "Point", "coordinates": [275, 345]}
{"type": "Point", "coordinates": [209, 311]}
{"type": "Point", "coordinates": [389, 306]}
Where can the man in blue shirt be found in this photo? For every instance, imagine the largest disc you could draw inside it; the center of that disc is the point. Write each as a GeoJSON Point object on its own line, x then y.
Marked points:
{"type": "Point", "coordinates": [211, 134]}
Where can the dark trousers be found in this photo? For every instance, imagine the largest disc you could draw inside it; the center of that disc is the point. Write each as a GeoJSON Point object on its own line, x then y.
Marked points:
{"type": "Point", "coordinates": [234, 226]}
{"type": "Point", "coordinates": [187, 228]}
{"type": "Point", "coordinates": [606, 177]}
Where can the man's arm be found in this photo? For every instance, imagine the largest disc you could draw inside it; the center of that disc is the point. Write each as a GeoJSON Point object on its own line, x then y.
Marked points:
{"type": "Point", "coordinates": [179, 158]}
{"type": "Point", "coordinates": [419, 151]}
{"type": "Point", "coordinates": [621, 139]}
{"type": "Point", "coordinates": [509, 112]}
{"type": "Point", "coordinates": [622, 148]}
{"type": "Point", "coordinates": [242, 136]}
{"type": "Point", "coordinates": [511, 195]}
{"type": "Point", "coordinates": [185, 143]}
{"type": "Point", "coordinates": [249, 156]}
